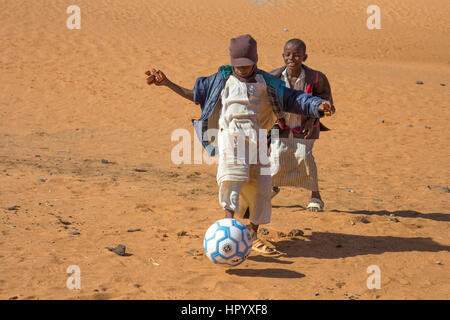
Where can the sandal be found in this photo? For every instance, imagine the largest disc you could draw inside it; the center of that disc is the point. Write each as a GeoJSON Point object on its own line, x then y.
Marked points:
{"type": "Point", "coordinates": [264, 248]}
{"type": "Point", "coordinates": [315, 205]}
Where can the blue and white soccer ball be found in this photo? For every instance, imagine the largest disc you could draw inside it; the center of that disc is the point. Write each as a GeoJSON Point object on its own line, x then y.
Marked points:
{"type": "Point", "coordinates": [228, 242]}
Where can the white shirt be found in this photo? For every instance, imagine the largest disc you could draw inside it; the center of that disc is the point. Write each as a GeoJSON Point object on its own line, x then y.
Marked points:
{"type": "Point", "coordinates": [293, 120]}
{"type": "Point", "coordinates": [245, 100]}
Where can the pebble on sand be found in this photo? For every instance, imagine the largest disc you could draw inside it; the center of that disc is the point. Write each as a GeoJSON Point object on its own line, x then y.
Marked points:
{"type": "Point", "coordinates": [14, 208]}
{"type": "Point", "coordinates": [364, 220]}
{"type": "Point", "coordinates": [74, 233]}
{"type": "Point", "coordinates": [119, 250]}
{"type": "Point", "coordinates": [419, 82]}
{"type": "Point", "coordinates": [182, 233]}
{"type": "Point", "coordinates": [295, 233]}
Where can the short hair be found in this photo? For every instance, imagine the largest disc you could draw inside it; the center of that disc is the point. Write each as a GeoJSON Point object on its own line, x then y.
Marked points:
{"type": "Point", "coordinates": [297, 43]}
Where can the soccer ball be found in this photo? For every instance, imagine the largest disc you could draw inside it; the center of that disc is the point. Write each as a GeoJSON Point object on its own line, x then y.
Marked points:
{"type": "Point", "coordinates": [228, 242]}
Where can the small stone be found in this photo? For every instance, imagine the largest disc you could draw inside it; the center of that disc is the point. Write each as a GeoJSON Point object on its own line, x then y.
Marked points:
{"type": "Point", "coordinates": [352, 223]}
{"type": "Point", "coordinates": [393, 219]}
{"type": "Point", "coordinates": [37, 155]}
{"type": "Point", "coordinates": [330, 288]}
{"type": "Point", "coordinates": [316, 293]}
{"type": "Point", "coordinates": [339, 246]}
{"type": "Point", "coordinates": [165, 235]}
{"type": "Point", "coordinates": [74, 233]}
{"type": "Point", "coordinates": [285, 30]}
{"type": "Point", "coordinates": [119, 250]}
{"type": "Point", "coordinates": [67, 223]}
{"type": "Point", "coordinates": [42, 180]}
{"type": "Point", "coordinates": [442, 84]}
{"type": "Point", "coordinates": [295, 233]}
{"type": "Point", "coordinates": [419, 82]}
{"type": "Point", "coordinates": [281, 234]}
{"type": "Point", "coordinates": [133, 230]}
{"type": "Point", "coordinates": [382, 121]}
{"type": "Point", "coordinates": [14, 208]}
{"type": "Point", "coordinates": [104, 161]}
{"type": "Point", "coordinates": [182, 233]}
{"type": "Point", "coordinates": [439, 263]}
{"type": "Point", "coordinates": [351, 190]}
{"type": "Point", "coordinates": [140, 170]}
{"type": "Point", "coordinates": [263, 231]}
{"type": "Point", "coordinates": [14, 298]}
{"type": "Point", "coordinates": [410, 126]}
{"type": "Point", "coordinates": [378, 200]}
{"type": "Point", "coordinates": [364, 220]}
{"type": "Point", "coordinates": [428, 127]}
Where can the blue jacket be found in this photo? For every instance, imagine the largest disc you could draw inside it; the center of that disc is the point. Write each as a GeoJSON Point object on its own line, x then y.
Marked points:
{"type": "Point", "coordinates": [207, 93]}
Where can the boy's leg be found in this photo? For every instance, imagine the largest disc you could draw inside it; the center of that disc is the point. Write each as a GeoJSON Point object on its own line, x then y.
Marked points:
{"type": "Point", "coordinates": [257, 195]}
{"type": "Point", "coordinates": [229, 197]}
{"type": "Point", "coordinates": [316, 204]}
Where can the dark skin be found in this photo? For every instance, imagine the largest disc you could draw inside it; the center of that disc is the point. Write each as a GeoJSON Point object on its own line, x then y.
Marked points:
{"type": "Point", "coordinates": [293, 57]}
{"type": "Point", "coordinates": [242, 71]}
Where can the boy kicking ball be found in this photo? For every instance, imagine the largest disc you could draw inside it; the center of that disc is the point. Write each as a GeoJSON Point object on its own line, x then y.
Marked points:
{"type": "Point", "coordinates": [238, 101]}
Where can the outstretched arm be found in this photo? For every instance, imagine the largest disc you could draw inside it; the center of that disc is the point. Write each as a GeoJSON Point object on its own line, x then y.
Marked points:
{"type": "Point", "coordinates": [299, 102]}
{"type": "Point", "coordinates": [158, 78]}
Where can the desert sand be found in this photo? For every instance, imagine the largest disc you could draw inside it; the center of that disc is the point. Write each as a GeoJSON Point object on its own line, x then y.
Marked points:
{"type": "Point", "coordinates": [72, 98]}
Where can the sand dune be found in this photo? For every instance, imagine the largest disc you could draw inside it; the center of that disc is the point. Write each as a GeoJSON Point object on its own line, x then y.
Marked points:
{"type": "Point", "coordinates": [71, 98]}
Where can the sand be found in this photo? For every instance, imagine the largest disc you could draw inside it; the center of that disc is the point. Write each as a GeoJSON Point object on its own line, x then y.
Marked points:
{"type": "Point", "coordinates": [72, 98]}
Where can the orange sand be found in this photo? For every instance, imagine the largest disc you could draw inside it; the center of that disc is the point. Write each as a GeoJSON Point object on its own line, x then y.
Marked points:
{"type": "Point", "coordinates": [74, 97]}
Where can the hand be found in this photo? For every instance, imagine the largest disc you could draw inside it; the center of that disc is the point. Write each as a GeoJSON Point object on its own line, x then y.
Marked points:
{"type": "Point", "coordinates": [156, 77]}
{"type": "Point", "coordinates": [309, 127]}
{"type": "Point", "coordinates": [326, 108]}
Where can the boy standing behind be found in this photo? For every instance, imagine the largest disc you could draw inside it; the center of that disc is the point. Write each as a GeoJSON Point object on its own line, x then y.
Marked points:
{"type": "Point", "coordinates": [295, 164]}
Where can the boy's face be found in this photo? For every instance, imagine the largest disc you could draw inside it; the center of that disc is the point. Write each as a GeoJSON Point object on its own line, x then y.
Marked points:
{"type": "Point", "coordinates": [244, 71]}
{"type": "Point", "coordinates": [293, 57]}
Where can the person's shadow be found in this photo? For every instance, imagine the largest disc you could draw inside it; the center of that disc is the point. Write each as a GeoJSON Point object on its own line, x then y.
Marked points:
{"type": "Point", "coordinates": [267, 273]}
{"type": "Point", "coordinates": [324, 245]}
{"type": "Point", "coordinates": [401, 213]}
